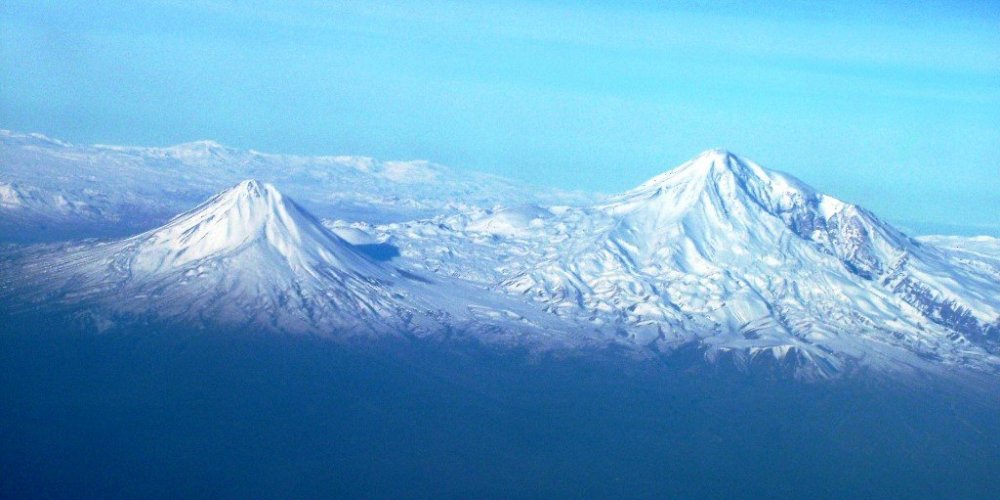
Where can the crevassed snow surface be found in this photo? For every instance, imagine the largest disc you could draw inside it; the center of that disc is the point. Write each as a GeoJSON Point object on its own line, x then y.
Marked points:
{"type": "Point", "coordinates": [749, 265]}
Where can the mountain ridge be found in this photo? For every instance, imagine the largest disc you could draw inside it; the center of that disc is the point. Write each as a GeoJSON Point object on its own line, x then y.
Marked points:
{"type": "Point", "coordinates": [117, 191]}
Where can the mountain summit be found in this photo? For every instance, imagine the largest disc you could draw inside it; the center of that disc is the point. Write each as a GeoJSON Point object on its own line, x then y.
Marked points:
{"type": "Point", "coordinates": [724, 174]}
{"type": "Point", "coordinates": [249, 218]}
{"type": "Point", "coordinates": [718, 199]}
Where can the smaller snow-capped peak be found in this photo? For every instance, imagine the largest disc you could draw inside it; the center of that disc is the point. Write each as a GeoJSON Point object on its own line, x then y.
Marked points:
{"type": "Point", "coordinates": [250, 214]}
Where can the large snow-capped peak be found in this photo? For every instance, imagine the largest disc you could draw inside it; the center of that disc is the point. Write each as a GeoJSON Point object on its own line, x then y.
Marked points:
{"type": "Point", "coordinates": [249, 216]}
{"type": "Point", "coordinates": [728, 203]}
{"type": "Point", "coordinates": [747, 260]}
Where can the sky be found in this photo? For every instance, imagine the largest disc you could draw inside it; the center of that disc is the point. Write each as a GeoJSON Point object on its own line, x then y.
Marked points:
{"type": "Point", "coordinates": [895, 107]}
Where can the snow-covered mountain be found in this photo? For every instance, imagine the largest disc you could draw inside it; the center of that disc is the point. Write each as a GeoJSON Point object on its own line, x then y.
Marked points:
{"type": "Point", "coordinates": [51, 189]}
{"type": "Point", "coordinates": [746, 262]}
{"type": "Point", "coordinates": [750, 266]}
{"type": "Point", "coordinates": [248, 255]}
{"type": "Point", "coordinates": [251, 258]}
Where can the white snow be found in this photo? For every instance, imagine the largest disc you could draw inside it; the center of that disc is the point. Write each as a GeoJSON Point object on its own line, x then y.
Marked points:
{"type": "Point", "coordinates": [724, 252]}
{"type": "Point", "coordinates": [747, 263]}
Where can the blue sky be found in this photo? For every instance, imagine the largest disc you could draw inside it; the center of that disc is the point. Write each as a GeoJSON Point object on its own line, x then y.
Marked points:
{"type": "Point", "coordinates": [895, 108]}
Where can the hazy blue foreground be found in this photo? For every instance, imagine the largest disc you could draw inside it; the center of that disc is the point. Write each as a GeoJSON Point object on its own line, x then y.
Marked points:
{"type": "Point", "coordinates": [156, 414]}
